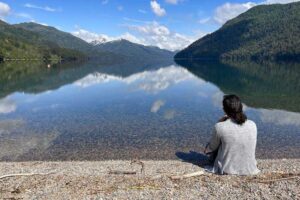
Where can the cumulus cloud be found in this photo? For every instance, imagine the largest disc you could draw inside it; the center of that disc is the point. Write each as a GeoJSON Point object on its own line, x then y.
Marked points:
{"type": "Point", "coordinates": [156, 34]}
{"type": "Point", "coordinates": [229, 11]}
{"type": "Point", "coordinates": [157, 9]}
{"type": "Point", "coordinates": [149, 81]}
{"type": "Point", "coordinates": [7, 105]}
{"type": "Point", "coordinates": [149, 33]}
{"type": "Point", "coordinates": [204, 20]}
{"type": "Point", "coordinates": [44, 8]}
{"type": "Point", "coordinates": [279, 1]}
{"type": "Point", "coordinates": [157, 105]}
{"type": "Point", "coordinates": [4, 10]}
{"type": "Point", "coordinates": [91, 36]}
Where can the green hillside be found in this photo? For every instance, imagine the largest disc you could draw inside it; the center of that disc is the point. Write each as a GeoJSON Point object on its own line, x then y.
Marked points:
{"type": "Point", "coordinates": [17, 43]}
{"type": "Point", "coordinates": [62, 39]}
{"type": "Point", "coordinates": [264, 32]}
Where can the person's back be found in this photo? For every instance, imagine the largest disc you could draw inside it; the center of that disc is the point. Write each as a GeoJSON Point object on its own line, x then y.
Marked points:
{"type": "Point", "coordinates": [234, 139]}
{"type": "Point", "coordinates": [236, 154]}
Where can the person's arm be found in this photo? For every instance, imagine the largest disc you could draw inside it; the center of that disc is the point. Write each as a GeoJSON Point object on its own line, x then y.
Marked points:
{"type": "Point", "coordinates": [214, 142]}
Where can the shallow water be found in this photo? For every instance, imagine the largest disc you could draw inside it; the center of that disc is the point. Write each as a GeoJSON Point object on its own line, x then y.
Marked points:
{"type": "Point", "coordinates": [89, 111]}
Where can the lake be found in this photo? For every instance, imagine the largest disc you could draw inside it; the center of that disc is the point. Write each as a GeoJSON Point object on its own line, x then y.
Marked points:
{"type": "Point", "coordinates": [90, 111]}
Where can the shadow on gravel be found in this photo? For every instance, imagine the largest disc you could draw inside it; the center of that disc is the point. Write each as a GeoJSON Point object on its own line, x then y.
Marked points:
{"type": "Point", "coordinates": [193, 157]}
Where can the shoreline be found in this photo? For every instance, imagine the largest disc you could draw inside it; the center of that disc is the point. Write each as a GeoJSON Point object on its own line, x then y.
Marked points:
{"type": "Point", "coordinates": [151, 180]}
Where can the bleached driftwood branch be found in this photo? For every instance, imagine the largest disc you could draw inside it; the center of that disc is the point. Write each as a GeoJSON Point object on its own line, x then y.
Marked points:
{"type": "Point", "coordinates": [116, 172]}
{"type": "Point", "coordinates": [27, 174]}
{"type": "Point", "coordinates": [189, 175]}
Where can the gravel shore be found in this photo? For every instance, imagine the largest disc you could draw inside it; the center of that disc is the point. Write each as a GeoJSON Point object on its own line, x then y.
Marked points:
{"type": "Point", "coordinates": [279, 179]}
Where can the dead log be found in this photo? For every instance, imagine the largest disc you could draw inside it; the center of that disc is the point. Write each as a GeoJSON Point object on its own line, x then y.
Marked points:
{"type": "Point", "coordinates": [27, 174]}
{"type": "Point", "coordinates": [189, 175]}
{"type": "Point", "coordinates": [116, 172]}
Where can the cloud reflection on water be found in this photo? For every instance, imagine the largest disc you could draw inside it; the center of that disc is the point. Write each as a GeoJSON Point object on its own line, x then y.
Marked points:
{"type": "Point", "coordinates": [157, 105]}
{"type": "Point", "coordinates": [149, 81]}
{"type": "Point", "coordinates": [280, 117]}
{"type": "Point", "coordinates": [7, 105]}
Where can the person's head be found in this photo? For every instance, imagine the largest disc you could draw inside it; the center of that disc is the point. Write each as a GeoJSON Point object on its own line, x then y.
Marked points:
{"type": "Point", "coordinates": [233, 108]}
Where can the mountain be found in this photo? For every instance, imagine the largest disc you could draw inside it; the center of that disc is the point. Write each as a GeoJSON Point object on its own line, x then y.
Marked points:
{"type": "Point", "coordinates": [135, 51]}
{"type": "Point", "coordinates": [97, 42]}
{"type": "Point", "coordinates": [18, 43]}
{"type": "Point", "coordinates": [96, 48]}
{"type": "Point", "coordinates": [62, 39]}
{"type": "Point", "coordinates": [264, 32]}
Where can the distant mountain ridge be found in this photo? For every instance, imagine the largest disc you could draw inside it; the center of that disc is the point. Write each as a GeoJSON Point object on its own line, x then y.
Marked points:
{"type": "Point", "coordinates": [264, 32]}
{"type": "Point", "coordinates": [134, 51]}
{"type": "Point", "coordinates": [61, 38]}
{"type": "Point", "coordinates": [18, 43]}
{"type": "Point", "coordinates": [36, 41]}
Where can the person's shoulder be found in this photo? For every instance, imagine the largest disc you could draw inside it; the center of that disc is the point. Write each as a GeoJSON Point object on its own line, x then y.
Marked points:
{"type": "Point", "coordinates": [250, 122]}
{"type": "Point", "coordinates": [222, 124]}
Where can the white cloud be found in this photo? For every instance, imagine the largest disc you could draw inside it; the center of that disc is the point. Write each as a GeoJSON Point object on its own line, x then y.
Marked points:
{"type": "Point", "coordinates": [279, 1]}
{"type": "Point", "coordinates": [157, 105]}
{"type": "Point", "coordinates": [45, 8]}
{"type": "Point", "coordinates": [149, 33]}
{"type": "Point", "coordinates": [229, 11]}
{"type": "Point", "coordinates": [4, 10]}
{"type": "Point", "coordinates": [91, 36]}
{"type": "Point", "coordinates": [158, 35]}
{"type": "Point", "coordinates": [7, 105]}
{"type": "Point", "coordinates": [157, 9]}
{"type": "Point", "coordinates": [153, 28]}
{"type": "Point", "coordinates": [204, 20]}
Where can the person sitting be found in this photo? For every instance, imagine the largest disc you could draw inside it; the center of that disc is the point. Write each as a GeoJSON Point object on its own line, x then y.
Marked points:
{"type": "Point", "coordinates": [233, 141]}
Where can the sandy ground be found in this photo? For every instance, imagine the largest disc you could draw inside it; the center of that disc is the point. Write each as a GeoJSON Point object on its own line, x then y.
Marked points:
{"type": "Point", "coordinates": [279, 179]}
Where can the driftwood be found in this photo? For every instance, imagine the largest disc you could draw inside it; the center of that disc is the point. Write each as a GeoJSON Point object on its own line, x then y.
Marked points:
{"type": "Point", "coordinates": [116, 172]}
{"type": "Point", "coordinates": [28, 174]}
{"type": "Point", "coordinates": [139, 163]}
{"type": "Point", "coordinates": [194, 174]}
{"type": "Point", "coordinates": [277, 179]}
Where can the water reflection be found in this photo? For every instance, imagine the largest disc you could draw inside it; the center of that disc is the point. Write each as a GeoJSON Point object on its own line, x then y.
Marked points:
{"type": "Point", "coordinates": [265, 85]}
{"type": "Point", "coordinates": [89, 111]}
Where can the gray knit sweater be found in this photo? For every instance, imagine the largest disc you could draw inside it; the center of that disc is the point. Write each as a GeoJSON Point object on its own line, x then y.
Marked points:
{"type": "Point", "coordinates": [236, 143]}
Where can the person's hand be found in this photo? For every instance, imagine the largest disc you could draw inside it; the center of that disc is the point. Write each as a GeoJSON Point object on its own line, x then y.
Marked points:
{"type": "Point", "coordinates": [223, 119]}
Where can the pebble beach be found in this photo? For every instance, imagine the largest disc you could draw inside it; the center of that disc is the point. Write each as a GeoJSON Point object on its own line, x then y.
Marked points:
{"type": "Point", "coordinates": [279, 179]}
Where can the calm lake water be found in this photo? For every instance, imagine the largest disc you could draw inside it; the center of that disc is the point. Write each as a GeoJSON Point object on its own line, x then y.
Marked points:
{"type": "Point", "coordinates": [89, 111]}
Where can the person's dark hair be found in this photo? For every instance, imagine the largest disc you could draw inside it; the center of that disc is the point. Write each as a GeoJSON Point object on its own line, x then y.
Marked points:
{"type": "Point", "coordinates": [233, 107]}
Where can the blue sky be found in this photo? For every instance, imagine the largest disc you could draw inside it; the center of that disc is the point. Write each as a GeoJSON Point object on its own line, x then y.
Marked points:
{"type": "Point", "coordinates": [170, 24]}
